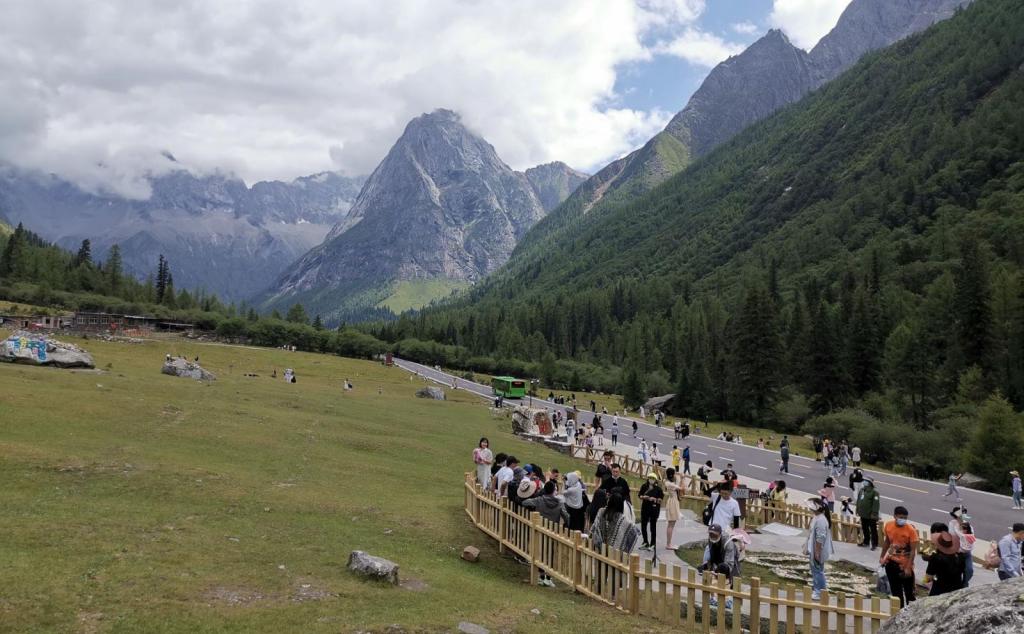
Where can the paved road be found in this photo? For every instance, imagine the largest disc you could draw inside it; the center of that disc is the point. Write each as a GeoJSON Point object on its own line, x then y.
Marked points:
{"type": "Point", "coordinates": [991, 514]}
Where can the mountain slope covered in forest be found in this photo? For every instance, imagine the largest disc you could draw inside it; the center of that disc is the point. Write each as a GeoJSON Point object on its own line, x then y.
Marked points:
{"type": "Point", "coordinates": [864, 247]}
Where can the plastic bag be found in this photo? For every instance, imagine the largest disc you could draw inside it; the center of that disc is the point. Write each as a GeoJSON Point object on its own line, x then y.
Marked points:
{"type": "Point", "coordinates": [882, 584]}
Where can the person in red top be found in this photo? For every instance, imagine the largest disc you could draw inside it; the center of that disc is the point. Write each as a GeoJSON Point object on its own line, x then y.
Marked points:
{"type": "Point", "coordinates": [898, 551]}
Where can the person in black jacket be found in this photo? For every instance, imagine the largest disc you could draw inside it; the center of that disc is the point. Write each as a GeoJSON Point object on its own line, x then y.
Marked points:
{"type": "Point", "coordinates": [651, 496]}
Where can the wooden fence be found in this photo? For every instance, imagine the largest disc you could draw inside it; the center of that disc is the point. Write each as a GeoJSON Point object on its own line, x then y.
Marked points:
{"type": "Point", "coordinates": [758, 512]}
{"type": "Point", "coordinates": [668, 593]}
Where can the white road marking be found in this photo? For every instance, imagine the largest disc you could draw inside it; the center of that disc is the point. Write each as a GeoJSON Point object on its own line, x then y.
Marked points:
{"type": "Point", "coordinates": [757, 466]}
{"type": "Point", "coordinates": [940, 511]}
{"type": "Point", "coordinates": [726, 458]}
{"type": "Point", "coordinates": [898, 486]}
{"type": "Point", "coordinates": [891, 499]}
{"type": "Point", "coordinates": [793, 475]}
{"type": "Point", "coordinates": [721, 447]}
{"type": "Point", "coordinates": [700, 452]}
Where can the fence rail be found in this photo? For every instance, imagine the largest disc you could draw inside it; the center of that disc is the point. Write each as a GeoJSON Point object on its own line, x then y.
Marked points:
{"type": "Point", "coordinates": [758, 512]}
{"type": "Point", "coordinates": [667, 593]}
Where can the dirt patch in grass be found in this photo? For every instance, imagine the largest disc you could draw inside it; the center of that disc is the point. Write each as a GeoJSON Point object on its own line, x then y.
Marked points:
{"type": "Point", "coordinates": [235, 597]}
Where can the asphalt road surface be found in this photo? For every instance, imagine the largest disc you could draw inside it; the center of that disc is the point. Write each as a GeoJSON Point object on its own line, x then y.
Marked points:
{"type": "Point", "coordinates": [990, 513]}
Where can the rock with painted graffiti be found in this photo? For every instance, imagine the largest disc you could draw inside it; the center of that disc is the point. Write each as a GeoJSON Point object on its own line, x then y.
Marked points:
{"type": "Point", "coordinates": [33, 348]}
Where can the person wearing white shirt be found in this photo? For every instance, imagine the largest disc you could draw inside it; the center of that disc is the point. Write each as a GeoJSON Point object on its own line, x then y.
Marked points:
{"type": "Point", "coordinates": [726, 510]}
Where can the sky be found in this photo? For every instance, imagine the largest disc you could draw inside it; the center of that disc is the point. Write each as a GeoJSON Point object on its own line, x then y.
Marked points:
{"type": "Point", "coordinates": [102, 92]}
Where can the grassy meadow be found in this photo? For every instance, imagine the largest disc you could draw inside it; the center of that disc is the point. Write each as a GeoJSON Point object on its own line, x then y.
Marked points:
{"type": "Point", "coordinates": [134, 501]}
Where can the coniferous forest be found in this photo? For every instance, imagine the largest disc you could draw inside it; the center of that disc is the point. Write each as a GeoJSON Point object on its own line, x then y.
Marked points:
{"type": "Point", "coordinates": [851, 265]}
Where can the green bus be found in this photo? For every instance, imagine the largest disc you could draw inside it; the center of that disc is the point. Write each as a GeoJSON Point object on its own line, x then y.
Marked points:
{"type": "Point", "coordinates": [508, 387]}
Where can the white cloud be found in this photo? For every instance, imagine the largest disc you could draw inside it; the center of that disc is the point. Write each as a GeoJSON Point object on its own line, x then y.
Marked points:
{"type": "Point", "coordinates": [745, 28]}
{"type": "Point", "coordinates": [806, 21]}
{"type": "Point", "coordinates": [276, 88]}
{"type": "Point", "coordinates": [700, 48]}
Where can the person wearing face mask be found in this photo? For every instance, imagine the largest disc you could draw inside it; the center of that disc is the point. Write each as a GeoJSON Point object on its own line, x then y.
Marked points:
{"type": "Point", "coordinates": [898, 552]}
{"type": "Point", "coordinates": [819, 545]}
{"type": "Point", "coordinates": [720, 555]}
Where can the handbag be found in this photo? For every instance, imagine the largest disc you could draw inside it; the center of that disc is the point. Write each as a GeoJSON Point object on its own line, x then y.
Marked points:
{"type": "Point", "coordinates": [709, 511]}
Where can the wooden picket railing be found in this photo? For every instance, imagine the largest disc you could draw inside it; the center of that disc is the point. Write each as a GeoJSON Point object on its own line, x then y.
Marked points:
{"type": "Point", "coordinates": [673, 594]}
{"type": "Point", "coordinates": [758, 512]}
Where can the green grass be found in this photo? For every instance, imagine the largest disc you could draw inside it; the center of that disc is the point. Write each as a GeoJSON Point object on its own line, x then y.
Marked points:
{"type": "Point", "coordinates": [411, 294]}
{"type": "Point", "coordinates": [134, 501]}
{"type": "Point", "coordinates": [14, 308]}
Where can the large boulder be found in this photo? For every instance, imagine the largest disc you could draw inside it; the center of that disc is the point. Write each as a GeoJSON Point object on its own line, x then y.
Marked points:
{"type": "Point", "coordinates": [435, 393]}
{"type": "Point", "coordinates": [38, 349]}
{"type": "Point", "coordinates": [984, 609]}
{"type": "Point", "coordinates": [187, 369]}
{"type": "Point", "coordinates": [660, 403]}
{"type": "Point", "coordinates": [376, 568]}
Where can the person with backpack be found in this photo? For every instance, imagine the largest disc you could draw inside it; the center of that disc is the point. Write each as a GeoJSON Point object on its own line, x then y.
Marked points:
{"type": "Point", "coordinates": [720, 554]}
{"type": "Point", "coordinates": [723, 509]}
{"type": "Point", "coordinates": [868, 503]}
{"type": "Point", "coordinates": [686, 459]}
{"type": "Point", "coordinates": [818, 547]}
{"type": "Point", "coordinates": [784, 455]}
{"type": "Point", "coordinates": [960, 528]}
{"type": "Point", "coordinates": [1009, 553]}
{"type": "Point", "coordinates": [704, 473]}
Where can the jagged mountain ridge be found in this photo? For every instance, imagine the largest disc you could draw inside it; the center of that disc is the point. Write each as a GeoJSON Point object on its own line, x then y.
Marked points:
{"type": "Point", "coordinates": [441, 206]}
{"type": "Point", "coordinates": [217, 233]}
{"type": "Point", "coordinates": [769, 74]}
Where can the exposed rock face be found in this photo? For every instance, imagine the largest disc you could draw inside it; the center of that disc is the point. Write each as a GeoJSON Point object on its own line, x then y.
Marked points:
{"type": "Point", "coordinates": [36, 349]}
{"type": "Point", "coordinates": [435, 393]}
{"type": "Point", "coordinates": [441, 206]}
{"type": "Point", "coordinates": [373, 567]}
{"type": "Point", "coordinates": [217, 233]}
{"type": "Point", "coordinates": [553, 182]}
{"type": "Point", "coordinates": [990, 609]}
{"type": "Point", "coordinates": [746, 88]}
{"type": "Point", "coordinates": [186, 369]}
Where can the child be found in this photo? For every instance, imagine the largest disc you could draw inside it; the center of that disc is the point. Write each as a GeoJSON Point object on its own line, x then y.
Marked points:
{"type": "Point", "coordinates": [847, 510]}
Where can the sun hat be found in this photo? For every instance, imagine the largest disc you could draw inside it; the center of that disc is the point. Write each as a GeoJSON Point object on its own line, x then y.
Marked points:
{"type": "Point", "coordinates": [653, 476]}
{"type": "Point", "coordinates": [945, 544]}
{"type": "Point", "coordinates": [526, 488]}
{"type": "Point", "coordinates": [1015, 473]}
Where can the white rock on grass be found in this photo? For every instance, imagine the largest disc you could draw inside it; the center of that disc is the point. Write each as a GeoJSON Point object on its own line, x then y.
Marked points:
{"type": "Point", "coordinates": [373, 567]}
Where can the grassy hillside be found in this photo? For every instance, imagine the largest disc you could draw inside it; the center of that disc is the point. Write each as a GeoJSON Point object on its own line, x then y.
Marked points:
{"type": "Point", "coordinates": [136, 501]}
{"type": "Point", "coordinates": [410, 294]}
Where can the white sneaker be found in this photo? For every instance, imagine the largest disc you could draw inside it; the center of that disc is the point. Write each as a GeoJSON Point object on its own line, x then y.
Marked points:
{"type": "Point", "coordinates": [816, 596]}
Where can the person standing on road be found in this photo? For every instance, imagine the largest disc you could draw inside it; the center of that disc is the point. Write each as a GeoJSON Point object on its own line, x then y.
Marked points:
{"type": "Point", "coordinates": [898, 553]}
{"type": "Point", "coordinates": [635, 428]}
{"type": "Point", "coordinates": [951, 489]}
{"type": "Point", "coordinates": [1009, 553]}
{"type": "Point", "coordinates": [1016, 490]}
{"type": "Point", "coordinates": [855, 456]}
{"type": "Point", "coordinates": [819, 547]}
{"type": "Point", "coordinates": [867, 510]}
{"type": "Point", "coordinates": [784, 454]}
{"type": "Point", "coordinates": [677, 457]}
{"type": "Point", "coordinates": [856, 481]}
{"type": "Point", "coordinates": [615, 432]}
{"type": "Point", "coordinates": [641, 451]}
{"type": "Point", "coordinates": [686, 459]}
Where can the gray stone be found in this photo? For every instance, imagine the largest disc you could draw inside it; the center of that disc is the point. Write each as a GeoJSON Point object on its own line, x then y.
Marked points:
{"type": "Point", "coordinates": [186, 369]}
{"type": "Point", "coordinates": [986, 609]}
{"type": "Point", "coordinates": [435, 393]}
{"type": "Point", "coordinates": [659, 403]}
{"type": "Point", "coordinates": [372, 567]}
{"type": "Point", "coordinates": [472, 628]}
{"type": "Point", "coordinates": [38, 349]}
{"type": "Point", "coordinates": [471, 554]}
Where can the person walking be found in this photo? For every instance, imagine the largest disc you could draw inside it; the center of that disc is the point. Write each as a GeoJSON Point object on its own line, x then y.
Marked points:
{"type": "Point", "coordinates": [615, 432]}
{"type": "Point", "coordinates": [725, 511]}
{"type": "Point", "coordinates": [898, 552]}
{"type": "Point", "coordinates": [828, 494]}
{"type": "Point", "coordinates": [673, 489]}
{"type": "Point", "coordinates": [856, 480]}
{"type": "Point", "coordinates": [651, 497]}
{"type": "Point", "coordinates": [951, 489]}
{"type": "Point", "coordinates": [483, 458]}
{"type": "Point", "coordinates": [677, 457]}
{"type": "Point", "coordinates": [1016, 490]}
{"type": "Point", "coordinates": [1009, 553]}
{"type": "Point", "coordinates": [635, 428]}
{"type": "Point", "coordinates": [784, 455]}
{"type": "Point", "coordinates": [855, 456]}
{"type": "Point", "coordinates": [642, 452]}
{"type": "Point", "coordinates": [960, 528]}
{"type": "Point", "coordinates": [867, 505]}
{"type": "Point", "coordinates": [686, 459]}
{"type": "Point", "coordinates": [818, 547]}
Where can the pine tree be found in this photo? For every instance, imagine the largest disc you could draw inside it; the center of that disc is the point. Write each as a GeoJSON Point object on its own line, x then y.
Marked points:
{"type": "Point", "coordinates": [863, 346]}
{"type": "Point", "coordinates": [973, 306]}
{"type": "Point", "coordinates": [756, 357]}
{"type": "Point", "coordinates": [318, 323]}
{"type": "Point", "coordinates": [297, 314]}
{"type": "Point", "coordinates": [15, 252]}
{"type": "Point", "coordinates": [633, 391]}
{"type": "Point", "coordinates": [826, 379]}
{"type": "Point", "coordinates": [114, 270]}
{"type": "Point", "coordinates": [170, 299]}
{"type": "Point", "coordinates": [162, 273]}
{"type": "Point", "coordinates": [998, 441]}
{"type": "Point", "coordinates": [84, 255]}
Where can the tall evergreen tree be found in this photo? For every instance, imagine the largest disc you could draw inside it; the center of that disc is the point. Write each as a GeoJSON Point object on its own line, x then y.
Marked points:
{"type": "Point", "coordinates": [84, 255]}
{"type": "Point", "coordinates": [756, 357]}
{"type": "Point", "coordinates": [973, 306]}
{"type": "Point", "coordinates": [863, 345]}
{"type": "Point", "coordinates": [826, 380]}
{"type": "Point", "coordinates": [297, 314]}
{"type": "Point", "coordinates": [162, 272]}
{"type": "Point", "coordinates": [114, 269]}
{"type": "Point", "coordinates": [318, 323]}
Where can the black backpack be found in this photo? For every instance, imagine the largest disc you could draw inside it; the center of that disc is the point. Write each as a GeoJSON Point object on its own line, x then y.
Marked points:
{"type": "Point", "coordinates": [709, 511]}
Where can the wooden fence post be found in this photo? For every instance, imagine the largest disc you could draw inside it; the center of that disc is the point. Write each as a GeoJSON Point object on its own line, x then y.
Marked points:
{"type": "Point", "coordinates": [634, 584]}
{"type": "Point", "coordinates": [576, 565]}
{"type": "Point", "coordinates": [534, 546]}
{"type": "Point", "coordinates": [502, 525]}
{"type": "Point", "coordinates": [755, 605]}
